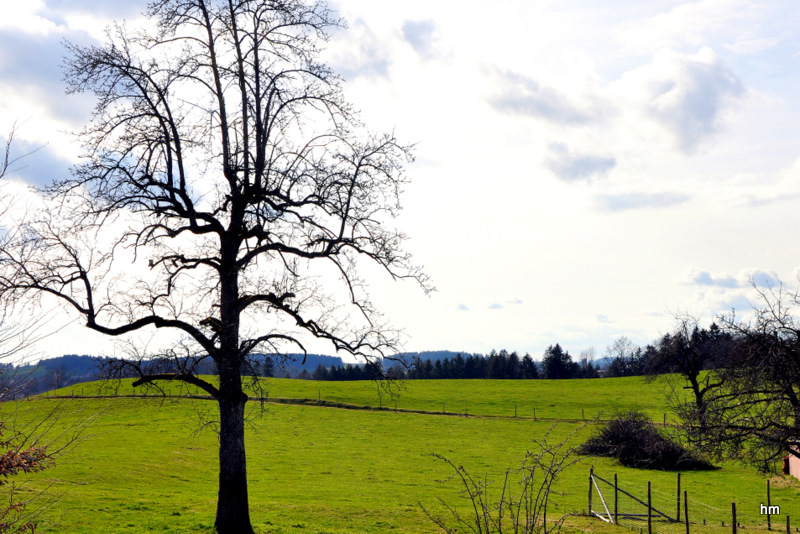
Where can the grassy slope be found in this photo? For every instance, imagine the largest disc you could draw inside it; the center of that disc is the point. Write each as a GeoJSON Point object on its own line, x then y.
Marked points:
{"type": "Point", "coordinates": [550, 398]}
{"type": "Point", "coordinates": [314, 469]}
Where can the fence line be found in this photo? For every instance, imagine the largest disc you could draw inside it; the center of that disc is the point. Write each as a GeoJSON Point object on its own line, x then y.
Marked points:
{"type": "Point", "coordinates": [514, 408]}
{"type": "Point", "coordinates": [632, 510]}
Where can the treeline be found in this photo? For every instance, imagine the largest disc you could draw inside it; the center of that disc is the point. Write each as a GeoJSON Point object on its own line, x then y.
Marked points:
{"type": "Point", "coordinates": [686, 352]}
{"type": "Point", "coordinates": [704, 348]}
{"type": "Point", "coordinates": [503, 365]}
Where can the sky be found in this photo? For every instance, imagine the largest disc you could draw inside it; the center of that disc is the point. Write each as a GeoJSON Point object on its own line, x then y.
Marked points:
{"type": "Point", "coordinates": [584, 170]}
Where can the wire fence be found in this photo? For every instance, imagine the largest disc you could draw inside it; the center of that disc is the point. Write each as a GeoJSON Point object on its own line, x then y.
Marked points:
{"type": "Point", "coordinates": [675, 511]}
{"type": "Point", "coordinates": [512, 409]}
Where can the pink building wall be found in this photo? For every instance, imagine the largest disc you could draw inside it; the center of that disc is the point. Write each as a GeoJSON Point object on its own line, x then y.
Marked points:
{"type": "Point", "coordinates": [794, 466]}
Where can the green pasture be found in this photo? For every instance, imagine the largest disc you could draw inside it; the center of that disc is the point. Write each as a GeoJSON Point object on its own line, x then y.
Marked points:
{"type": "Point", "coordinates": [544, 399]}
{"type": "Point", "coordinates": [144, 465]}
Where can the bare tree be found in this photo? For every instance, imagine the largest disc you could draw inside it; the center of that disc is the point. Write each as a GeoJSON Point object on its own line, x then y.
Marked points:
{"type": "Point", "coordinates": [755, 414]}
{"type": "Point", "coordinates": [627, 359]}
{"type": "Point", "coordinates": [622, 348]}
{"type": "Point", "coordinates": [685, 356]}
{"type": "Point", "coordinates": [229, 195]}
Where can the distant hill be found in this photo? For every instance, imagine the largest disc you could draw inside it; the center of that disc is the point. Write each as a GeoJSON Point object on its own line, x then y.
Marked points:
{"type": "Point", "coordinates": [61, 371]}
{"type": "Point", "coordinates": [602, 363]}
{"type": "Point", "coordinates": [72, 368]}
{"type": "Point", "coordinates": [71, 364]}
{"type": "Point", "coordinates": [53, 373]}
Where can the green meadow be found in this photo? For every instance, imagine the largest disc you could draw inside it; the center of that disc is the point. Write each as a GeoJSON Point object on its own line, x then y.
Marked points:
{"type": "Point", "coordinates": [150, 465]}
{"type": "Point", "coordinates": [543, 399]}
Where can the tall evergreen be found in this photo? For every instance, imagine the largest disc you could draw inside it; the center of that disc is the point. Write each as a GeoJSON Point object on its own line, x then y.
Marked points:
{"type": "Point", "coordinates": [558, 364]}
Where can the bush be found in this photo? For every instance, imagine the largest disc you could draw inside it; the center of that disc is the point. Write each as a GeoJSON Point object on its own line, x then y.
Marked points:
{"type": "Point", "coordinates": [633, 440]}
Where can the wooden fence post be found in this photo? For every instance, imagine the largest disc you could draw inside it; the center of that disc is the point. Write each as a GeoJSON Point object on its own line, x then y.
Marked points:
{"type": "Point", "coordinates": [686, 511]}
{"type": "Point", "coordinates": [733, 517]}
{"type": "Point", "coordinates": [616, 487]}
{"type": "Point", "coordinates": [788, 528]}
{"type": "Point", "coordinates": [678, 514]}
{"type": "Point", "coordinates": [649, 511]}
{"type": "Point", "coordinates": [591, 476]}
{"type": "Point", "coordinates": [769, 517]}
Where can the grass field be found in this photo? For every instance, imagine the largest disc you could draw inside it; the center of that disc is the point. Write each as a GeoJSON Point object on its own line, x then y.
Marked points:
{"type": "Point", "coordinates": [546, 399]}
{"type": "Point", "coordinates": [143, 467]}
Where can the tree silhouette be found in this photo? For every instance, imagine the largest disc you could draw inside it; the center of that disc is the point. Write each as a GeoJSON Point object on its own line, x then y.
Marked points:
{"type": "Point", "coordinates": [229, 194]}
{"type": "Point", "coordinates": [753, 413]}
{"type": "Point", "coordinates": [557, 363]}
{"type": "Point", "coordinates": [687, 352]}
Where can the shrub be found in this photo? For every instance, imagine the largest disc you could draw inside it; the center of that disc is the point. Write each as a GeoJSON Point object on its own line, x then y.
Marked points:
{"type": "Point", "coordinates": [632, 439]}
{"type": "Point", "coordinates": [520, 508]}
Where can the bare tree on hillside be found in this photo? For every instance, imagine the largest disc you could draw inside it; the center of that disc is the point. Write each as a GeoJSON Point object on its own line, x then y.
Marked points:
{"type": "Point", "coordinates": [687, 355]}
{"type": "Point", "coordinates": [755, 413]}
{"type": "Point", "coordinates": [229, 194]}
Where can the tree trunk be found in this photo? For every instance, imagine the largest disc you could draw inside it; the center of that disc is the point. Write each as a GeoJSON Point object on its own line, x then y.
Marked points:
{"type": "Point", "coordinates": [233, 512]}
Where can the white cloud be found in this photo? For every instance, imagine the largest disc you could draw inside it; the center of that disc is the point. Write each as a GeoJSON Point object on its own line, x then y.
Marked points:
{"type": "Point", "coordinates": [757, 191]}
{"type": "Point", "coordinates": [746, 278]}
{"type": "Point", "coordinates": [761, 278]}
{"type": "Point", "coordinates": [421, 36]}
{"type": "Point", "coordinates": [359, 51]}
{"type": "Point", "coordinates": [704, 278]}
{"type": "Point", "coordinates": [520, 95]}
{"type": "Point", "coordinates": [573, 167]}
{"type": "Point", "coordinates": [752, 46]}
{"type": "Point", "coordinates": [685, 94]}
{"type": "Point", "coordinates": [27, 17]}
{"type": "Point", "coordinates": [639, 200]}
{"type": "Point", "coordinates": [94, 25]}
{"type": "Point", "coordinates": [690, 24]}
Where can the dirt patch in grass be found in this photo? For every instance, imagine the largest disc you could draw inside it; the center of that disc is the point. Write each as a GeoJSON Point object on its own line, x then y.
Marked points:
{"type": "Point", "coordinates": [784, 481]}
